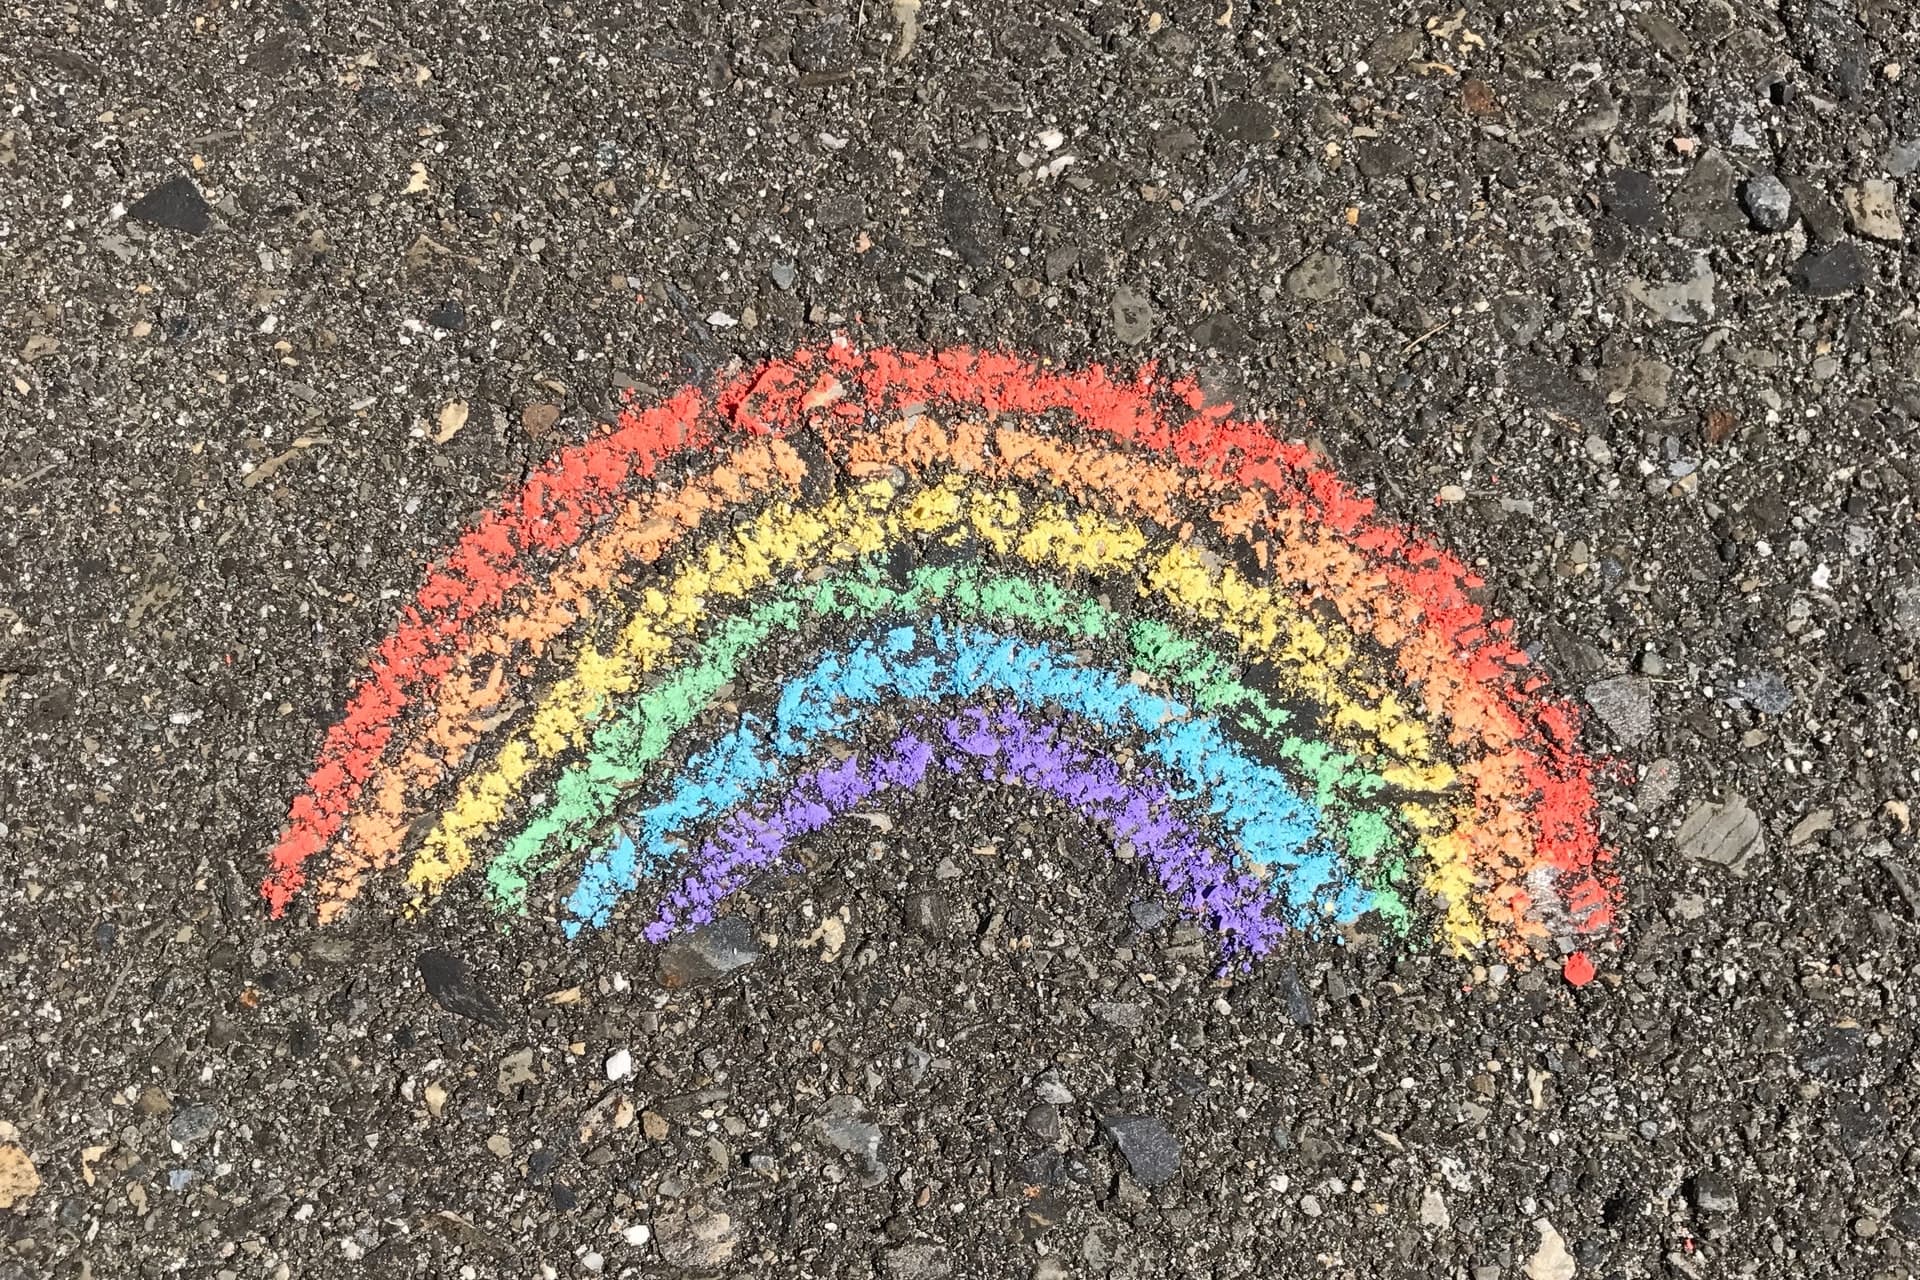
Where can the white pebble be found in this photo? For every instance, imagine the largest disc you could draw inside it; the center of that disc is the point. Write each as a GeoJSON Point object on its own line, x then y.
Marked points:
{"type": "Point", "coordinates": [619, 1065]}
{"type": "Point", "coordinates": [637, 1234]}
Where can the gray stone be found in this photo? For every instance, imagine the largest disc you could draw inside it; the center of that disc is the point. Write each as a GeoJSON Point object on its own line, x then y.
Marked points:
{"type": "Point", "coordinates": [1662, 779]}
{"type": "Point", "coordinates": [1903, 158]}
{"type": "Point", "coordinates": [1688, 301]}
{"type": "Point", "coordinates": [1043, 1121]}
{"type": "Point", "coordinates": [696, 1239]}
{"type": "Point", "coordinates": [783, 273]}
{"type": "Point", "coordinates": [1518, 317]}
{"type": "Point", "coordinates": [1906, 606]}
{"type": "Point", "coordinates": [1625, 705]}
{"type": "Point", "coordinates": [1153, 1153]}
{"type": "Point", "coordinates": [1147, 913]}
{"type": "Point", "coordinates": [844, 1126]}
{"type": "Point", "coordinates": [1833, 274]}
{"type": "Point", "coordinates": [711, 952]}
{"type": "Point", "coordinates": [1382, 159]}
{"type": "Point", "coordinates": [1713, 1193]}
{"type": "Point", "coordinates": [1873, 211]}
{"type": "Point", "coordinates": [1128, 1017]}
{"type": "Point", "coordinates": [1728, 834]}
{"type": "Point", "coordinates": [192, 1125]}
{"type": "Point", "coordinates": [1132, 316]}
{"type": "Point", "coordinates": [1319, 277]}
{"type": "Point", "coordinates": [1704, 205]}
{"type": "Point", "coordinates": [919, 1261]}
{"type": "Point", "coordinates": [1768, 202]}
{"type": "Point", "coordinates": [1765, 692]}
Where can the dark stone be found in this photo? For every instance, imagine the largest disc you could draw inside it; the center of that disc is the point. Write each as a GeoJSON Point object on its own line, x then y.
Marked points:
{"type": "Point", "coordinates": [1836, 1054]}
{"type": "Point", "coordinates": [1823, 216]}
{"type": "Point", "coordinates": [563, 1196]}
{"type": "Point", "coordinates": [972, 224]}
{"type": "Point", "coordinates": [710, 953]}
{"type": "Point", "coordinates": [1043, 1121]}
{"type": "Point", "coordinates": [449, 315]}
{"type": "Point", "coordinates": [468, 200]}
{"type": "Point", "coordinates": [175, 204]}
{"type": "Point", "coordinates": [1299, 1003]}
{"type": "Point", "coordinates": [192, 1125]}
{"type": "Point", "coordinates": [927, 913]}
{"type": "Point", "coordinates": [1381, 159]}
{"type": "Point", "coordinates": [1704, 206]}
{"type": "Point", "coordinates": [454, 988]}
{"type": "Point", "coordinates": [1153, 1153]}
{"type": "Point", "coordinates": [1833, 274]}
{"type": "Point", "coordinates": [1147, 913]}
{"type": "Point", "coordinates": [1246, 122]}
{"type": "Point", "coordinates": [1632, 198]}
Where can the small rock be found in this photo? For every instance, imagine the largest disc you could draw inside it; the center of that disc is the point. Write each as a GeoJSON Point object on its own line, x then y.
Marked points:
{"type": "Point", "coordinates": [153, 1101]}
{"type": "Point", "coordinates": [1833, 274]}
{"type": "Point", "coordinates": [1704, 204]}
{"type": "Point", "coordinates": [1657, 786]}
{"type": "Point", "coordinates": [1382, 159]}
{"type": "Point", "coordinates": [192, 1125]}
{"type": "Point", "coordinates": [1632, 198]}
{"type": "Point", "coordinates": [1768, 202]}
{"type": "Point", "coordinates": [696, 1239]}
{"type": "Point", "coordinates": [844, 1127]}
{"type": "Point", "coordinates": [1053, 1091]}
{"type": "Point", "coordinates": [515, 1070]}
{"type": "Point", "coordinates": [1765, 692]}
{"type": "Point", "coordinates": [1518, 317]}
{"type": "Point", "coordinates": [926, 913]}
{"type": "Point", "coordinates": [1043, 1121]}
{"type": "Point", "coordinates": [1132, 316]}
{"type": "Point", "coordinates": [1128, 1017]}
{"type": "Point", "coordinates": [619, 1065]}
{"type": "Point", "coordinates": [1625, 705]}
{"type": "Point", "coordinates": [1903, 158]}
{"type": "Point", "coordinates": [1728, 834]}
{"type": "Point", "coordinates": [175, 204]}
{"type": "Point", "coordinates": [454, 988]}
{"type": "Point", "coordinates": [1873, 211]}
{"type": "Point", "coordinates": [450, 316]}
{"type": "Point", "coordinates": [654, 1126]}
{"type": "Point", "coordinates": [919, 1261]}
{"type": "Point", "coordinates": [783, 273]}
{"type": "Point", "coordinates": [1152, 1153]}
{"type": "Point", "coordinates": [1688, 301]}
{"type": "Point", "coordinates": [1550, 1261]}
{"type": "Point", "coordinates": [1433, 1209]}
{"type": "Point", "coordinates": [1713, 1193]}
{"type": "Point", "coordinates": [1689, 906]}
{"type": "Point", "coordinates": [1147, 913]}
{"type": "Point", "coordinates": [709, 953]}
{"type": "Point", "coordinates": [1319, 277]}
{"type": "Point", "coordinates": [19, 1180]}
{"type": "Point", "coordinates": [1821, 213]}
{"type": "Point", "coordinates": [1246, 122]}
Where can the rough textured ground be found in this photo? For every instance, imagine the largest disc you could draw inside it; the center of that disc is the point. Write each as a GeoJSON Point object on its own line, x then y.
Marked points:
{"type": "Point", "coordinates": [1513, 262]}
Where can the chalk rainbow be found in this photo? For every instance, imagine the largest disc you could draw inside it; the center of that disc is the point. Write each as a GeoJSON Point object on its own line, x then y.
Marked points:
{"type": "Point", "coordinates": [968, 566]}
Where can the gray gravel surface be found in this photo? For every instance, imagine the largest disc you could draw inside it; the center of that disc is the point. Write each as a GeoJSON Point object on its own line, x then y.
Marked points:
{"type": "Point", "coordinates": [1631, 286]}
